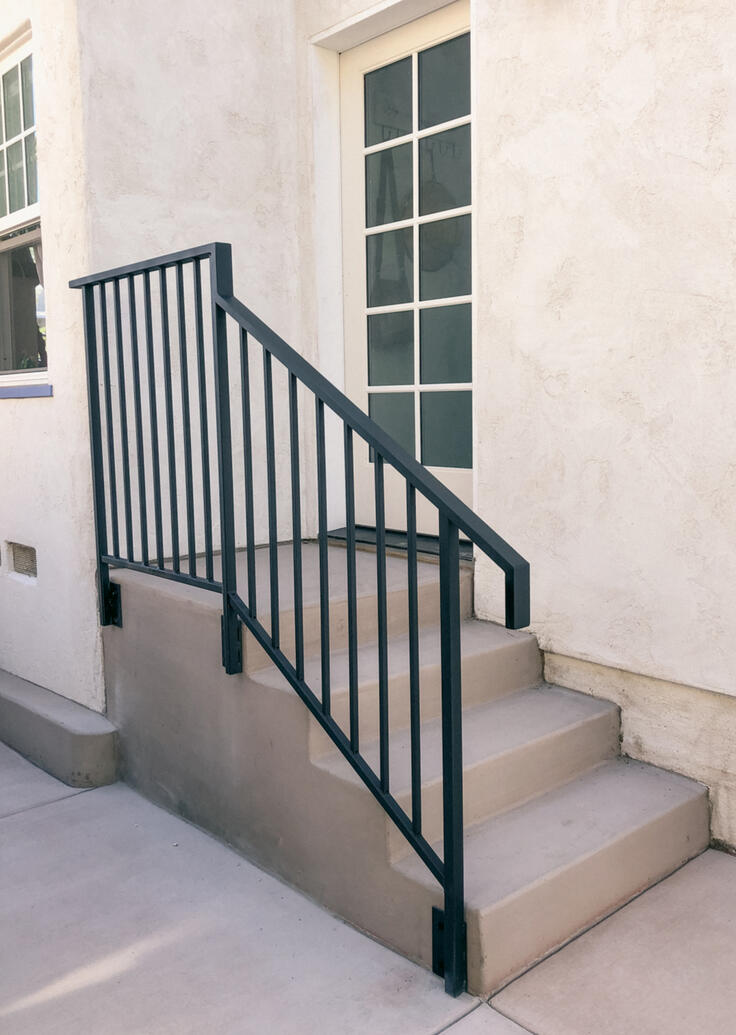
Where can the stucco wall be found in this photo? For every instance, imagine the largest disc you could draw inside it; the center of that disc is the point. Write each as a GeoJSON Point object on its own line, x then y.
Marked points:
{"type": "Point", "coordinates": [605, 365]}
{"type": "Point", "coordinates": [48, 626]}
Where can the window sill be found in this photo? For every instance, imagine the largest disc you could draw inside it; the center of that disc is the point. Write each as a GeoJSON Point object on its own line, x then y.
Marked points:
{"type": "Point", "coordinates": [30, 390]}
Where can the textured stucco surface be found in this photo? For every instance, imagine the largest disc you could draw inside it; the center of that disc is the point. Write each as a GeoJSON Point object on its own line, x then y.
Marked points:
{"type": "Point", "coordinates": [605, 364]}
{"type": "Point", "coordinates": [603, 270]}
{"type": "Point", "coordinates": [48, 626]}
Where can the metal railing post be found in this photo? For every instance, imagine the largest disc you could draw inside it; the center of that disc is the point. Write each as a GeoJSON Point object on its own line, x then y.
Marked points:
{"type": "Point", "coordinates": [221, 280]}
{"type": "Point", "coordinates": [108, 592]}
{"type": "Point", "coordinates": [453, 950]}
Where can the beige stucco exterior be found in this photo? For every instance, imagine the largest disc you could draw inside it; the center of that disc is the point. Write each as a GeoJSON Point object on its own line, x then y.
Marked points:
{"type": "Point", "coordinates": [603, 274]}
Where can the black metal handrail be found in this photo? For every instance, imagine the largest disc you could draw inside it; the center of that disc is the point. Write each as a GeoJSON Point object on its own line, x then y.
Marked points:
{"type": "Point", "coordinates": [110, 462]}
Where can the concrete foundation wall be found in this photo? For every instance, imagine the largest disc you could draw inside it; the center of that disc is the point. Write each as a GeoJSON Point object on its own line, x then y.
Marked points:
{"type": "Point", "coordinates": [682, 728]}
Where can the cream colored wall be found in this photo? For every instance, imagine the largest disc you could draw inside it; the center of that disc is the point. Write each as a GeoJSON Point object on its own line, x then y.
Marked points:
{"type": "Point", "coordinates": [605, 366]}
{"type": "Point", "coordinates": [48, 626]}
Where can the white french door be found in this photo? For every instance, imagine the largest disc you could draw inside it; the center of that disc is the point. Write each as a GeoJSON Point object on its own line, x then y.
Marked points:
{"type": "Point", "coordinates": [406, 173]}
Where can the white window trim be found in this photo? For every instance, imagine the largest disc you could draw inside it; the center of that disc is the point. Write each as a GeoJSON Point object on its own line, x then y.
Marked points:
{"type": "Point", "coordinates": [31, 213]}
{"type": "Point", "coordinates": [19, 47]}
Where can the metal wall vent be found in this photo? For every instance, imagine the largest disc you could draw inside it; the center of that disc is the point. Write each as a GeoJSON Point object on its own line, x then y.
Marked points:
{"type": "Point", "coordinates": [23, 559]}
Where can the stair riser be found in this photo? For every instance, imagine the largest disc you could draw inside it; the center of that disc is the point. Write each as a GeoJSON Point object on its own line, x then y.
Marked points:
{"type": "Point", "coordinates": [397, 613]}
{"type": "Point", "coordinates": [501, 783]}
{"type": "Point", "coordinates": [507, 939]}
{"type": "Point", "coordinates": [485, 677]}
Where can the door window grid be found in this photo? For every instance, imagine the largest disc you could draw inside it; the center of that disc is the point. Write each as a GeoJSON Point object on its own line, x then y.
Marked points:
{"type": "Point", "coordinates": [416, 386]}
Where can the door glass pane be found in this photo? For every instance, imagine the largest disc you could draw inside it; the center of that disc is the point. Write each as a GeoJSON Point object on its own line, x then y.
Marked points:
{"type": "Point", "coordinates": [444, 344]}
{"type": "Point", "coordinates": [394, 411]}
{"type": "Point", "coordinates": [31, 174]}
{"type": "Point", "coordinates": [16, 186]}
{"type": "Point", "coordinates": [11, 97]}
{"type": "Point", "coordinates": [26, 76]}
{"type": "Point", "coordinates": [388, 102]}
{"type": "Point", "coordinates": [388, 186]}
{"type": "Point", "coordinates": [391, 349]}
{"type": "Point", "coordinates": [444, 82]}
{"type": "Point", "coordinates": [444, 258]}
{"type": "Point", "coordinates": [389, 267]}
{"type": "Point", "coordinates": [447, 429]}
{"type": "Point", "coordinates": [3, 201]}
{"type": "Point", "coordinates": [444, 170]}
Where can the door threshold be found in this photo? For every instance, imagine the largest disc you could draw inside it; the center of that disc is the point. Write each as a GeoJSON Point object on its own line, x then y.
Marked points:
{"type": "Point", "coordinates": [396, 541]}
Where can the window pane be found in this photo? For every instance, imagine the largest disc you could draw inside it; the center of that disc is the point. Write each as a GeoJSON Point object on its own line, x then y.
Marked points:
{"type": "Point", "coordinates": [444, 82]}
{"type": "Point", "coordinates": [388, 186]}
{"type": "Point", "coordinates": [391, 349]}
{"type": "Point", "coordinates": [444, 170]}
{"type": "Point", "coordinates": [388, 102]}
{"type": "Point", "coordinates": [31, 174]}
{"type": "Point", "coordinates": [11, 97]}
{"type": "Point", "coordinates": [22, 316]}
{"type": "Point", "coordinates": [16, 176]}
{"type": "Point", "coordinates": [394, 411]}
{"type": "Point", "coordinates": [444, 256]}
{"type": "Point", "coordinates": [447, 429]}
{"type": "Point", "coordinates": [26, 76]}
{"type": "Point", "coordinates": [389, 267]}
{"type": "Point", "coordinates": [3, 201]}
{"type": "Point", "coordinates": [445, 344]}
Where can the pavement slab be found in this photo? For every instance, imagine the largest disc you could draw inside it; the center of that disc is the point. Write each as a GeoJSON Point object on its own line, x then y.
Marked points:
{"type": "Point", "coordinates": [24, 786]}
{"type": "Point", "coordinates": [486, 1021]}
{"type": "Point", "coordinates": [663, 965]}
{"type": "Point", "coordinates": [122, 919]}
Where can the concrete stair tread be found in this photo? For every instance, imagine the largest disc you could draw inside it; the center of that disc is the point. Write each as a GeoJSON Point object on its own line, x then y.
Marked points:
{"type": "Point", "coordinates": [509, 853]}
{"type": "Point", "coordinates": [477, 637]}
{"type": "Point", "coordinates": [490, 730]}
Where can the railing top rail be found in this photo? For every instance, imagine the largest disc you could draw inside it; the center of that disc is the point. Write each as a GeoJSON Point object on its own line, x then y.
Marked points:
{"type": "Point", "coordinates": [467, 521]}
{"type": "Point", "coordinates": [205, 251]}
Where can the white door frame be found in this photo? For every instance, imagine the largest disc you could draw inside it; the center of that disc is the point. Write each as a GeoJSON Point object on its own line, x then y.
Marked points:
{"type": "Point", "coordinates": [424, 32]}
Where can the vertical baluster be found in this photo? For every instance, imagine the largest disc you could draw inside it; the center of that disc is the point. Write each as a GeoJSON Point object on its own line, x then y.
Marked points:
{"type": "Point", "coordinates": [414, 714]}
{"type": "Point", "coordinates": [98, 473]}
{"type": "Point", "coordinates": [134, 351]}
{"type": "Point", "coordinates": [169, 401]}
{"type": "Point", "coordinates": [382, 620]}
{"type": "Point", "coordinates": [273, 546]}
{"type": "Point", "coordinates": [152, 406]}
{"type": "Point", "coordinates": [109, 422]}
{"type": "Point", "coordinates": [203, 422]}
{"type": "Point", "coordinates": [186, 418]}
{"type": "Point", "coordinates": [352, 587]}
{"type": "Point", "coordinates": [296, 527]}
{"type": "Point", "coordinates": [324, 574]}
{"type": "Point", "coordinates": [248, 465]}
{"type": "Point", "coordinates": [123, 422]}
{"type": "Point", "coordinates": [221, 286]}
{"type": "Point", "coordinates": [452, 761]}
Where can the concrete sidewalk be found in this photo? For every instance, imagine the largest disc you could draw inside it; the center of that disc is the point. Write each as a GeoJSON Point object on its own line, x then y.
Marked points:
{"type": "Point", "coordinates": [117, 918]}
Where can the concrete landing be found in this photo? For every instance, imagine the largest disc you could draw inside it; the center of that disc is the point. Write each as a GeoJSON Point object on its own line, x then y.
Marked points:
{"type": "Point", "coordinates": [663, 965]}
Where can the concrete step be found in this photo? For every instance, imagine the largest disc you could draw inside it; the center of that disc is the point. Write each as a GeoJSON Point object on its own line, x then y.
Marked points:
{"type": "Point", "coordinates": [366, 581]}
{"type": "Point", "coordinates": [514, 748]}
{"type": "Point", "coordinates": [495, 662]}
{"type": "Point", "coordinates": [539, 874]}
{"type": "Point", "coordinates": [73, 743]}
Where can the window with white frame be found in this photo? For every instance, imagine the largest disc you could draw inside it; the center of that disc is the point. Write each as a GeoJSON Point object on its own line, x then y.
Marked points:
{"type": "Point", "coordinates": [22, 305]}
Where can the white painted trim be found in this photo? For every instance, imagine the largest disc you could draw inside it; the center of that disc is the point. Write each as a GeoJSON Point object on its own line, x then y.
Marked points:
{"type": "Point", "coordinates": [375, 21]}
